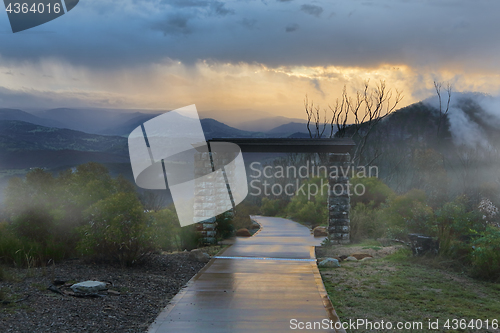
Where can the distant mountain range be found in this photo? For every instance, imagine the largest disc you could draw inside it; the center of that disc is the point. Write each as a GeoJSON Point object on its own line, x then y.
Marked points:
{"type": "Point", "coordinates": [123, 122]}
{"type": "Point", "coordinates": [15, 114]}
{"type": "Point", "coordinates": [271, 123]}
{"type": "Point", "coordinates": [26, 143]}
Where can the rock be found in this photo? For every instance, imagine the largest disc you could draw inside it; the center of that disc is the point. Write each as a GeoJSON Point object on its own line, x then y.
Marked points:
{"type": "Point", "coordinates": [54, 289]}
{"type": "Point", "coordinates": [343, 257]}
{"type": "Point", "coordinates": [59, 282]}
{"type": "Point", "coordinates": [329, 263]}
{"type": "Point", "coordinates": [198, 255]}
{"type": "Point", "coordinates": [320, 232]}
{"type": "Point", "coordinates": [366, 258]}
{"type": "Point", "coordinates": [351, 258]}
{"type": "Point", "coordinates": [361, 256]}
{"type": "Point", "coordinates": [243, 233]}
{"type": "Point", "coordinates": [421, 244]}
{"type": "Point", "coordinates": [88, 287]}
{"type": "Point", "coordinates": [254, 226]}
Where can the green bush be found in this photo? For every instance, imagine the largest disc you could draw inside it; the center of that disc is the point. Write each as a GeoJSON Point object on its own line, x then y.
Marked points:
{"type": "Point", "coordinates": [366, 223]}
{"type": "Point", "coordinates": [376, 192]}
{"type": "Point", "coordinates": [190, 238]}
{"type": "Point", "coordinates": [485, 255]}
{"type": "Point", "coordinates": [23, 247]}
{"type": "Point", "coordinates": [117, 229]}
{"type": "Point", "coordinates": [272, 207]}
{"type": "Point", "coordinates": [456, 228]}
{"type": "Point", "coordinates": [309, 208]}
{"type": "Point", "coordinates": [409, 213]}
{"type": "Point", "coordinates": [165, 229]}
{"type": "Point", "coordinates": [224, 228]}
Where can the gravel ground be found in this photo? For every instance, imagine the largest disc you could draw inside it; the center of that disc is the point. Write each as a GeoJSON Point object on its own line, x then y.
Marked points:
{"type": "Point", "coordinates": [136, 296]}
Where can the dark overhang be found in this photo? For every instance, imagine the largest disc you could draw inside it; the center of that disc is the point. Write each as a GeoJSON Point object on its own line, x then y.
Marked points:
{"type": "Point", "coordinates": [287, 145]}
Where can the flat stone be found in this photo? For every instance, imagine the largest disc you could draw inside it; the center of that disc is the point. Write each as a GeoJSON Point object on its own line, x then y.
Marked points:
{"type": "Point", "coordinates": [350, 258]}
{"type": "Point", "coordinates": [329, 263]}
{"type": "Point", "coordinates": [320, 232]}
{"type": "Point", "coordinates": [198, 255]}
{"type": "Point", "coordinates": [360, 256]}
{"type": "Point", "coordinates": [88, 287]}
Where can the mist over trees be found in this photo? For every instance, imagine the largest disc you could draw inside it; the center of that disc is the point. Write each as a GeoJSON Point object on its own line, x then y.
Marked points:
{"type": "Point", "coordinates": [85, 212]}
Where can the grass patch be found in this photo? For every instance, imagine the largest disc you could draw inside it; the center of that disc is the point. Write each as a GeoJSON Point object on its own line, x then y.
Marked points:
{"type": "Point", "coordinates": [398, 288]}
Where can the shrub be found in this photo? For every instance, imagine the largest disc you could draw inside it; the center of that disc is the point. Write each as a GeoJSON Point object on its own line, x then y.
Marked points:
{"type": "Point", "coordinates": [376, 192]}
{"type": "Point", "coordinates": [190, 238]}
{"type": "Point", "coordinates": [242, 214]}
{"type": "Point", "coordinates": [366, 223]}
{"type": "Point", "coordinates": [224, 228]}
{"type": "Point", "coordinates": [309, 208]}
{"type": "Point", "coordinates": [117, 229]}
{"type": "Point", "coordinates": [33, 239]}
{"type": "Point", "coordinates": [272, 207]}
{"type": "Point", "coordinates": [409, 213]}
{"type": "Point", "coordinates": [456, 227]}
{"type": "Point", "coordinates": [165, 229]}
{"type": "Point", "coordinates": [485, 255]}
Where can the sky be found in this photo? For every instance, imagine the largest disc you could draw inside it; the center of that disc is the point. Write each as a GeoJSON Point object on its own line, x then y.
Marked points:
{"type": "Point", "coordinates": [241, 55]}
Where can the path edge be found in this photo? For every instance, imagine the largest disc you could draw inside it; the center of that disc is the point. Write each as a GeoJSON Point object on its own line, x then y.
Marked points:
{"type": "Point", "coordinates": [160, 319]}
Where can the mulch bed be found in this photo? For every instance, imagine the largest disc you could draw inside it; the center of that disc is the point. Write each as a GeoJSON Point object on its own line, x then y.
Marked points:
{"type": "Point", "coordinates": [136, 295]}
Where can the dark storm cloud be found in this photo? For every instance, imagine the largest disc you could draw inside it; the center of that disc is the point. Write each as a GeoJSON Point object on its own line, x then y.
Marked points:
{"type": "Point", "coordinates": [175, 24]}
{"type": "Point", "coordinates": [113, 34]}
{"type": "Point", "coordinates": [312, 10]}
{"type": "Point", "coordinates": [249, 23]}
{"type": "Point", "coordinates": [292, 27]}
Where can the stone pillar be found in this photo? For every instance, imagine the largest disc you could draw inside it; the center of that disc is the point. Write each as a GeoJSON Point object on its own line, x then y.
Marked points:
{"type": "Point", "coordinates": [204, 199]}
{"type": "Point", "coordinates": [339, 202]}
{"type": "Point", "coordinates": [211, 192]}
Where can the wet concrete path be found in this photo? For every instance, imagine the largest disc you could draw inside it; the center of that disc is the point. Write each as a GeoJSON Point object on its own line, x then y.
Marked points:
{"type": "Point", "coordinates": [259, 284]}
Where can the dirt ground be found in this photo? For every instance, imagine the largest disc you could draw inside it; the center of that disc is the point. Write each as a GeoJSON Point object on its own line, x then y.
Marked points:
{"type": "Point", "coordinates": [136, 295]}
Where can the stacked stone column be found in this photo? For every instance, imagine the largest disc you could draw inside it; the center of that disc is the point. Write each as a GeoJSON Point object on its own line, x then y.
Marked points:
{"type": "Point", "coordinates": [339, 202]}
{"type": "Point", "coordinates": [210, 193]}
{"type": "Point", "coordinates": [204, 199]}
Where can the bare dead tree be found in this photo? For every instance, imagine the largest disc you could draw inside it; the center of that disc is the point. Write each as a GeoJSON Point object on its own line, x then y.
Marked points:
{"type": "Point", "coordinates": [309, 113]}
{"type": "Point", "coordinates": [442, 114]}
{"type": "Point", "coordinates": [357, 116]}
{"type": "Point", "coordinates": [314, 114]}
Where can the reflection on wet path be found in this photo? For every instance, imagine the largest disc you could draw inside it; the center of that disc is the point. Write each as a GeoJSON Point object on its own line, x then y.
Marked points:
{"type": "Point", "coordinates": [255, 285]}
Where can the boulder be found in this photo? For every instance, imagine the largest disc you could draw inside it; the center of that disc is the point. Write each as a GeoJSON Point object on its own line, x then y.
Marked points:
{"type": "Point", "coordinates": [254, 226]}
{"type": "Point", "coordinates": [88, 287]}
{"type": "Point", "coordinates": [329, 263]}
{"type": "Point", "coordinates": [361, 256]}
{"type": "Point", "coordinates": [243, 233]}
{"type": "Point", "coordinates": [320, 232]}
{"type": "Point", "coordinates": [421, 244]}
{"type": "Point", "coordinates": [198, 255]}
{"type": "Point", "coordinates": [351, 258]}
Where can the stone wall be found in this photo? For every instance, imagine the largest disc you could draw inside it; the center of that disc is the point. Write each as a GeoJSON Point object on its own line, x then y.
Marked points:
{"type": "Point", "coordinates": [339, 202]}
